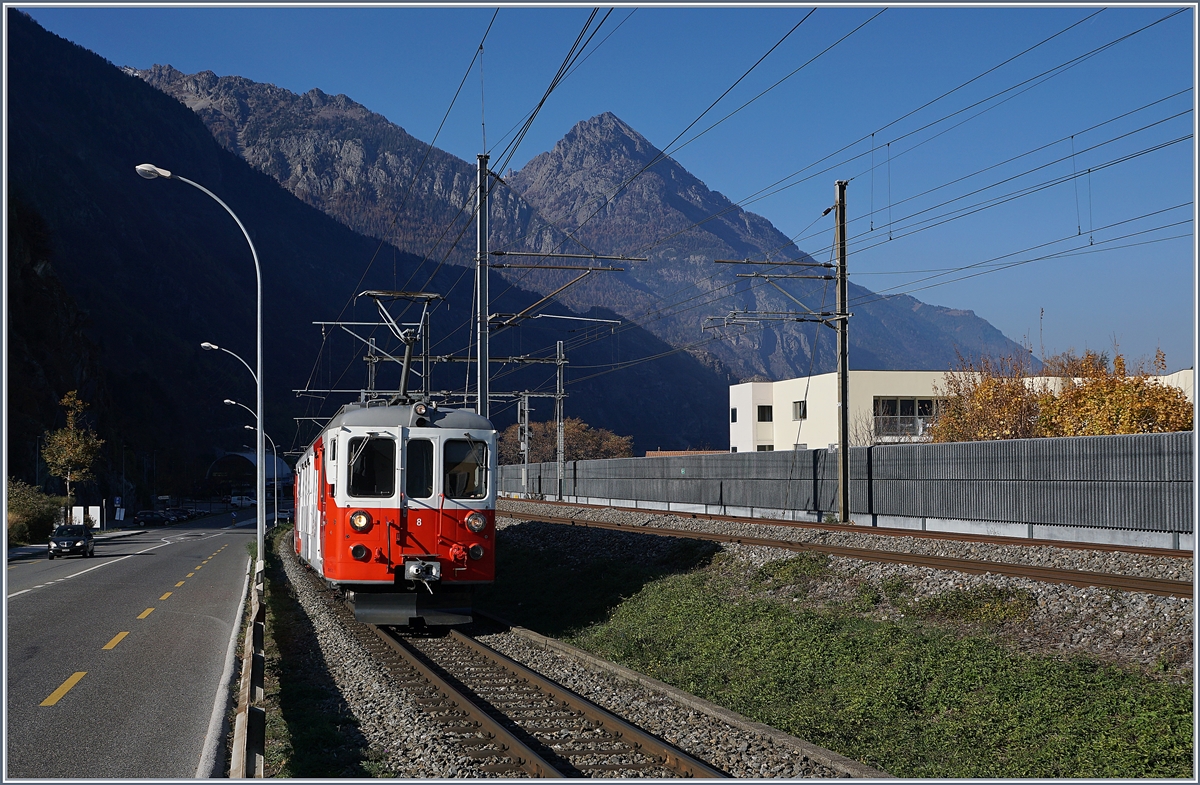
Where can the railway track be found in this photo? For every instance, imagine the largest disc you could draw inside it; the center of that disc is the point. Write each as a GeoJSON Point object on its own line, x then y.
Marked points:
{"type": "Point", "coordinates": [884, 531]}
{"type": "Point", "coordinates": [513, 721]}
{"type": "Point", "coordinates": [1160, 586]}
{"type": "Point", "coordinates": [518, 723]}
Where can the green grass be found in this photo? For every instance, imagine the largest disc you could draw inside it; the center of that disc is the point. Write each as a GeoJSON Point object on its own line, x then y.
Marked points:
{"type": "Point", "coordinates": [917, 698]}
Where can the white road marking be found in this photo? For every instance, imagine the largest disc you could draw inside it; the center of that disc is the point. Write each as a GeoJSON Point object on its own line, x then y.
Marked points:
{"type": "Point", "coordinates": [89, 569]}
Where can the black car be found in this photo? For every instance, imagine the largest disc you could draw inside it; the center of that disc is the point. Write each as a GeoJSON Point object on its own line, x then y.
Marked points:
{"type": "Point", "coordinates": [71, 539]}
{"type": "Point", "coordinates": [151, 518]}
{"type": "Point", "coordinates": [179, 513]}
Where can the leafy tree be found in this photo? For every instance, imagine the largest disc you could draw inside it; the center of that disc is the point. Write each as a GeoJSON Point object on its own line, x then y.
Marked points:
{"type": "Point", "coordinates": [986, 400]}
{"type": "Point", "coordinates": [1096, 401]}
{"type": "Point", "coordinates": [70, 452]}
{"type": "Point", "coordinates": [581, 442]}
{"type": "Point", "coordinates": [1074, 396]}
{"type": "Point", "coordinates": [30, 513]}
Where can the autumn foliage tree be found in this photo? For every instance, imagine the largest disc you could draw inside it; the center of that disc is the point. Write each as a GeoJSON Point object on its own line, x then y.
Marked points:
{"type": "Point", "coordinates": [985, 400]}
{"type": "Point", "coordinates": [1073, 396]}
{"type": "Point", "coordinates": [581, 442]}
{"type": "Point", "coordinates": [1095, 400]}
{"type": "Point", "coordinates": [71, 452]}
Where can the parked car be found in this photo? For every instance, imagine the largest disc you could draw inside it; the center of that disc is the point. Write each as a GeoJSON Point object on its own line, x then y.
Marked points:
{"type": "Point", "coordinates": [241, 501]}
{"type": "Point", "coordinates": [179, 513]}
{"type": "Point", "coordinates": [151, 518]}
{"type": "Point", "coordinates": [71, 539]}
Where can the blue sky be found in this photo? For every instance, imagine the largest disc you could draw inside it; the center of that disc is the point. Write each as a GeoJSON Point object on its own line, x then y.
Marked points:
{"type": "Point", "coordinates": [1121, 235]}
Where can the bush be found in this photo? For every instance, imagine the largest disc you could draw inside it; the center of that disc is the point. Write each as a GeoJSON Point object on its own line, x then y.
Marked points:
{"type": "Point", "coordinates": [31, 513]}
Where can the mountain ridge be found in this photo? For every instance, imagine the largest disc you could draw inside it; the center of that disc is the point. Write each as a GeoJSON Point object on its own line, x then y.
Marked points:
{"type": "Point", "coordinates": [344, 143]}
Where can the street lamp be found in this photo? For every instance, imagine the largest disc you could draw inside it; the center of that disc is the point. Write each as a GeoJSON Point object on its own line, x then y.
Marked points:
{"type": "Point", "coordinates": [208, 347]}
{"type": "Point", "coordinates": [151, 172]}
{"type": "Point", "coordinates": [274, 454]}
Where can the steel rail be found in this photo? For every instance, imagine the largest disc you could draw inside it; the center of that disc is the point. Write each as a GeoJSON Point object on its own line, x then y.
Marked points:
{"type": "Point", "coordinates": [525, 758]}
{"type": "Point", "coordinates": [888, 531]}
{"type": "Point", "coordinates": [637, 738]}
{"type": "Point", "coordinates": [1161, 586]}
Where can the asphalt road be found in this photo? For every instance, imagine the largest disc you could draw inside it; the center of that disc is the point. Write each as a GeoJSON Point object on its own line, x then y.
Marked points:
{"type": "Point", "coordinates": [147, 622]}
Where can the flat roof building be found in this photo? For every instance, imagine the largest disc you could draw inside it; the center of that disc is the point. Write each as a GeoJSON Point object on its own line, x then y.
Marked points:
{"type": "Point", "coordinates": [885, 406]}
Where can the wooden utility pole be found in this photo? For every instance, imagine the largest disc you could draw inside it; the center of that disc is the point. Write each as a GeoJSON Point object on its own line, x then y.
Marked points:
{"type": "Point", "coordinates": [843, 354]}
{"type": "Point", "coordinates": [481, 286]}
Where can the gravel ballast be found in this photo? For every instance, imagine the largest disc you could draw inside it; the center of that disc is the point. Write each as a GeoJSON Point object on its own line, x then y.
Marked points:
{"type": "Point", "coordinates": [1129, 628]}
{"type": "Point", "coordinates": [407, 743]}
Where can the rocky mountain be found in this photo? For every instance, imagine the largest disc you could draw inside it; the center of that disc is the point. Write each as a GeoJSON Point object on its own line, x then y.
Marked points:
{"type": "Point", "coordinates": [662, 210]}
{"type": "Point", "coordinates": [373, 176]}
{"type": "Point", "coordinates": [154, 268]}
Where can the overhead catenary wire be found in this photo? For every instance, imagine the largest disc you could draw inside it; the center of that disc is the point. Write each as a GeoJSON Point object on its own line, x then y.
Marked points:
{"type": "Point", "coordinates": [777, 186]}
{"type": "Point", "coordinates": [1054, 71]}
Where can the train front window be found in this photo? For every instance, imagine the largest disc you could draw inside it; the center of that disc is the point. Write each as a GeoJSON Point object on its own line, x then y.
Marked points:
{"type": "Point", "coordinates": [466, 469]}
{"type": "Point", "coordinates": [372, 466]}
{"type": "Point", "coordinates": [418, 482]}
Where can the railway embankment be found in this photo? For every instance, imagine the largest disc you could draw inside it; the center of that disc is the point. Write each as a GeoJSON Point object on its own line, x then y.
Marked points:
{"type": "Point", "coordinates": [332, 711]}
{"type": "Point", "coordinates": [913, 671]}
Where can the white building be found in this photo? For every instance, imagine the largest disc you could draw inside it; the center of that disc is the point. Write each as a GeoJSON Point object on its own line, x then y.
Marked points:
{"type": "Point", "coordinates": [885, 406]}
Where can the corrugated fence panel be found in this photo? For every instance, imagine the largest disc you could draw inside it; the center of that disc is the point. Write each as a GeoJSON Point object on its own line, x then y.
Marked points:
{"type": "Point", "coordinates": [1139, 482]}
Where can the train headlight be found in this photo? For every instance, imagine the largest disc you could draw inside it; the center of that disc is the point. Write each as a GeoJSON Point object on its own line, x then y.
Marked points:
{"type": "Point", "coordinates": [360, 521]}
{"type": "Point", "coordinates": [475, 551]}
{"type": "Point", "coordinates": [476, 522]}
{"type": "Point", "coordinates": [359, 551]}
{"type": "Point", "coordinates": [420, 409]}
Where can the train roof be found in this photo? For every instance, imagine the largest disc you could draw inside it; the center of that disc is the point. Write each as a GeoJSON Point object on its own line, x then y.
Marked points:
{"type": "Point", "coordinates": [402, 415]}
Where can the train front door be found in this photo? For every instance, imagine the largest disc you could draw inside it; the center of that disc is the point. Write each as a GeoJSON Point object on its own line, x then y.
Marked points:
{"type": "Point", "coordinates": [421, 515]}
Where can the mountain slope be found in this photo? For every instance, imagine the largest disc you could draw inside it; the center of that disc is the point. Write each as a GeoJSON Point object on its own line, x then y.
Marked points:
{"type": "Point", "coordinates": [684, 226]}
{"type": "Point", "coordinates": [157, 267]}
{"type": "Point", "coordinates": [374, 177]}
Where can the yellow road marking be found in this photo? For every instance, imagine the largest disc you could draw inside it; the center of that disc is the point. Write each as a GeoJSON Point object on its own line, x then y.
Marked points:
{"type": "Point", "coordinates": [57, 695]}
{"type": "Point", "coordinates": [190, 574]}
{"type": "Point", "coordinates": [113, 643]}
{"type": "Point", "coordinates": [146, 613]}
{"type": "Point", "coordinates": [168, 594]}
{"type": "Point", "coordinates": [178, 584]}
{"type": "Point", "coordinates": [200, 566]}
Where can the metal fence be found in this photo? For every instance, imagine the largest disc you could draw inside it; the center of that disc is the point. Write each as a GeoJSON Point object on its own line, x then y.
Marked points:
{"type": "Point", "coordinates": [1140, 482]}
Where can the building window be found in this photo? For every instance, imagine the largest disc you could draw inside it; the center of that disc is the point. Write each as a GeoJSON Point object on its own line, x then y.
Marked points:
{"type": "Point", "coordinates": [801, 446]}
{"type": "Point", "coordinates": [799, 410]}
{"type": "Point", "coordinates": [733, 449]}
{"type": "Point", "coordinates": [905, 416]}
{"type": "Point", "coordinates": [733, 415]}
{"type": "Point", "coordinates": [766, 447]}
{"type": "Point", "coordinates": [765, 414]}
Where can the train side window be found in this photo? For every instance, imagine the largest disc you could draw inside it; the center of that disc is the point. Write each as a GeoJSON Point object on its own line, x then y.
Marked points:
{"type": "Point", "coordinates": [466, 469]}
{"type": "Point", "coordinates": [372, 466]}
{"type": "Point", "coordinates": [418, 482]}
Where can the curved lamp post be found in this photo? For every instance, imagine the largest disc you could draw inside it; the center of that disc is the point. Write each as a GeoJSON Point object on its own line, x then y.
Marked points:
{"type": "Point", "coordinates": [274, 454]}
{"type": "Point", "coordinates": [208, 347]}
{"type": "Point", "coordinates": [151, 172]}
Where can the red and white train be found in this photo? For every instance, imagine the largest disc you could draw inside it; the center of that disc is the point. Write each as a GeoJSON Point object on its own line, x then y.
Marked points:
{"type": "Point", "coordinates": [396, 506]}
